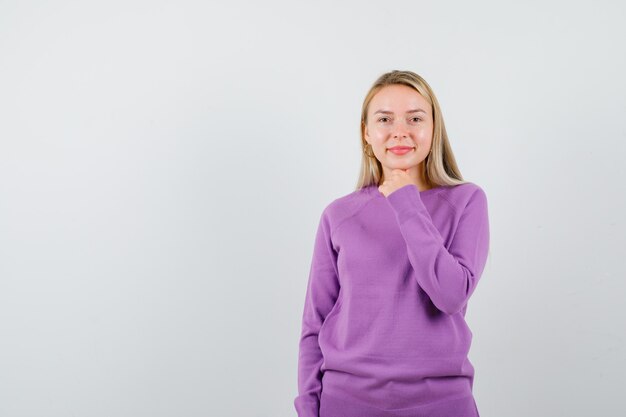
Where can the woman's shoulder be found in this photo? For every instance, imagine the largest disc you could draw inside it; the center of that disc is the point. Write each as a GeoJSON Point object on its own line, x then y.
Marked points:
{"type": "Point", "coordinates": [466, 188]}
{"type": "Point", "coordinates": [348, 204]}
{"type": "Point", "coordinates": [460, 195]}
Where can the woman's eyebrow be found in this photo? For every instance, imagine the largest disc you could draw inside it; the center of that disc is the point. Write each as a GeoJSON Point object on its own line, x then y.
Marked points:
{"type": "Point", "coordinates": [408, 111]}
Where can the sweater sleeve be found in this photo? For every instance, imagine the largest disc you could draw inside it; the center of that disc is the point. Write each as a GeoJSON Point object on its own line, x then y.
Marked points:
{"type": "Point", "coordinates": [449, 277]}
{"type": "Point", "coordinates": [321, 295]}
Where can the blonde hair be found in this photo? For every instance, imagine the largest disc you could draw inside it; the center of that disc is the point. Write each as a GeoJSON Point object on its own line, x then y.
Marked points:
{"type": "Point", "coordinates": [440, 166]}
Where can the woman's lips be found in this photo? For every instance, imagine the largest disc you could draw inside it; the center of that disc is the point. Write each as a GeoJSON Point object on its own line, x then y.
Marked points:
{"type": "Point", "coordinates": [400, 151]}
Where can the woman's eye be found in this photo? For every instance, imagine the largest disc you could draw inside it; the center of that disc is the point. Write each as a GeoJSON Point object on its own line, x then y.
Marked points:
{"type": "Point", "coordinates": [382, 119]}
{"type": "Point", "coordinates": [416, 119]}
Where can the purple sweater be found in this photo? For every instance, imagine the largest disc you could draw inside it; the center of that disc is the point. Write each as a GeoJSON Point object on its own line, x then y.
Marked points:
{"type": "Point", "coordinates": [383, 327]}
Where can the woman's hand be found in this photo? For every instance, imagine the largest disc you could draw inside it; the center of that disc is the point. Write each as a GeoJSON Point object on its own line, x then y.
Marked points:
{"type": "Point", "coordinates": [398, 179]}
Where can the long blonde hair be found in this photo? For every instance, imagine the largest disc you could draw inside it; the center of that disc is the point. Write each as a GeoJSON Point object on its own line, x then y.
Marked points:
{"type": "Point", "coordinates": [440, 165]}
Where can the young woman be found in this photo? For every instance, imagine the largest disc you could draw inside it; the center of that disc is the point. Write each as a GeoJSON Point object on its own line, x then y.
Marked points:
{"type": "Point", "coordinates": [394, 265]}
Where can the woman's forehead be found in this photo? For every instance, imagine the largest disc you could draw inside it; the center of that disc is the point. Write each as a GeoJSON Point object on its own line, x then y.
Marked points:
{"type": "Point", "coordinates": [398, 99]}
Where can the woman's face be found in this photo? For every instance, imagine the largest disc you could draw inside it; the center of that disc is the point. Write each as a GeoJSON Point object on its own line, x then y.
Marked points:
{"type": "Point", "coordinates": [399, 116]}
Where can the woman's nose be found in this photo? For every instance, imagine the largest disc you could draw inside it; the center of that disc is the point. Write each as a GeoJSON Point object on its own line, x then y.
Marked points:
{"type": "Point", "coordinates": [400, 130]}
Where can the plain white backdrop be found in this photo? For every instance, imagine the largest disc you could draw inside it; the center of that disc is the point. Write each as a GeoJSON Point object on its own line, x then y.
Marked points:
{"type": "Point", "coordinates": [163, 166]}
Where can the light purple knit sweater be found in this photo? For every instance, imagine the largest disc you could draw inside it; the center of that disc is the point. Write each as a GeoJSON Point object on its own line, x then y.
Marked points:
{"type": "Point", "coordinates": [383, 327]}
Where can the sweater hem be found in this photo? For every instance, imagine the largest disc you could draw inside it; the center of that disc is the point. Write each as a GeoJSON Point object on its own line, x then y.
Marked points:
{"type": "Point", "coordinates": [334, 406]}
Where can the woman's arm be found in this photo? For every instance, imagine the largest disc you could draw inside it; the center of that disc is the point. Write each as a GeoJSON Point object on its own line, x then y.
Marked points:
{"type": "Point", "coordinates": [448, 277]}
{"type": "Point", "coordinates": [321, 295]}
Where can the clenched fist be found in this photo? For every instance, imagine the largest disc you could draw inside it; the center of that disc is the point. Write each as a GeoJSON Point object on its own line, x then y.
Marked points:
{"type": "Point", "coordinates": [398, 179]}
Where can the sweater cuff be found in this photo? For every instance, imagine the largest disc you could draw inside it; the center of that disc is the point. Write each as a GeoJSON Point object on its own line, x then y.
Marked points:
{"type": "Point", "coordinates": [405, 201]}
{"type": "Point", "coordinates": [306, 407]}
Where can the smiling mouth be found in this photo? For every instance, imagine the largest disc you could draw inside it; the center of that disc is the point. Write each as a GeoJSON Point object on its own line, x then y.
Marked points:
{"type": "Point", "coordinates": [400, 151]}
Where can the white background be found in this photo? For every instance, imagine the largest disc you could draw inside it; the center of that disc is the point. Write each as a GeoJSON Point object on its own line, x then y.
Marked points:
{"type": "Point", "coordinates": [163, 166]}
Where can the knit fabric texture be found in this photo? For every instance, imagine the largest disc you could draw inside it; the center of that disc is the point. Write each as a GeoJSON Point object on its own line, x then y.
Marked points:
{"type": "Point", "coordinates": [383, 325]}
